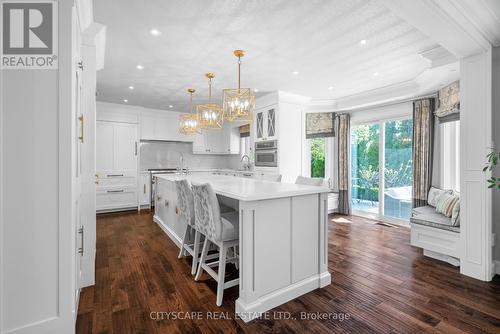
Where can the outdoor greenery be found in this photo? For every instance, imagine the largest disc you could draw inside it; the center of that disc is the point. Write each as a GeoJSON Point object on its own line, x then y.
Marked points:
{"type": "Point", "coordinates": [317, 157]}
{"type": "Point", "coordinates": [365, 158]}
{"type": "Point", "coordinates": [493, 159]}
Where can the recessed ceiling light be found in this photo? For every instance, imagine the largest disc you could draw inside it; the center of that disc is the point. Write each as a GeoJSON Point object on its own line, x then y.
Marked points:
{"type": "Point", "coordinates": [170, 106]}
{"type": "Point", "coordinates": [140, 67]}
{"type": "Point", "coordinates": [154, 32]}
{"type": "Point", "coordinates": [131, 87]}
{"type": "Point", "coordinates": [125, 100]}
{"type": "Point", "coordinates": [295, 72]}
{"type": "Point", "coordinates": [362, 42]}
{"type": "Point", "coordinates": [256, 90]}
{"type": "Point", "coordinates": [375, 74]}
{"type": "Point", "coordinates": [330, 88]}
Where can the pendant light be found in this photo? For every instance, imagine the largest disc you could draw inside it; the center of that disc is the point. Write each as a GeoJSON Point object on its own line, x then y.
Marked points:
{"type": "Point", "coordinates": [239, 103]}
{"type": "Point", "coordinates": [188, 123]}
{"type": "Point", "coordinates": [210, 115]}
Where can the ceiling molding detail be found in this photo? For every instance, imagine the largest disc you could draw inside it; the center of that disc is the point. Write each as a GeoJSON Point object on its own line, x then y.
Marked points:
{"type": "Point", "coordinates": [445, 21]}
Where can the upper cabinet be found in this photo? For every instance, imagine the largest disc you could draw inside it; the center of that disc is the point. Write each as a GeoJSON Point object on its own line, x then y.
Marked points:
{"type": "Point", "coordinates": [164, 126]}
{"type": "Point", "coordinates": [224, 141]}
{"type": "Point", "coordinates": [161, 125]}
{"type": "Point", "coordinates": [265, 123]}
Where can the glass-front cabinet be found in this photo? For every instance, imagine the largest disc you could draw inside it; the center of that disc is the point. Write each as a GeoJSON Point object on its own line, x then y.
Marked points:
{"type": "Point", "coordinates": [265, 123]}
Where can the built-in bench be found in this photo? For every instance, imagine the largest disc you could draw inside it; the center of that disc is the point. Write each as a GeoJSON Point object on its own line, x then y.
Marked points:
{"type": "Point", "coordinates": [437, 234]}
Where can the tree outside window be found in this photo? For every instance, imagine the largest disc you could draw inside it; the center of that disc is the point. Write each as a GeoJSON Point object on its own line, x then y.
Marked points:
{"type": "Point", "coordinates": [317, 157]}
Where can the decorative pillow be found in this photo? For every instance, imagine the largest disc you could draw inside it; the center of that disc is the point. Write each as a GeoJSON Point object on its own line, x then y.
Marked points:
{"type": "Point", "coordinates": [455, 214]}
{"type": "Point", "coordinates": [445, 204]}
{"type": "Point", "coordinates": [434, 194]}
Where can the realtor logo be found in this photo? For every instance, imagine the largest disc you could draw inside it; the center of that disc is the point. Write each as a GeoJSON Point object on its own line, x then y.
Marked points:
{"type": "Point", "coordinates": [29, 35]}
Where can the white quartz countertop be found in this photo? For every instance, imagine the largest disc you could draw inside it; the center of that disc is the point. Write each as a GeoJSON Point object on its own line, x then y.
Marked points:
{"type": "Point", "coordinates": [244, 189]}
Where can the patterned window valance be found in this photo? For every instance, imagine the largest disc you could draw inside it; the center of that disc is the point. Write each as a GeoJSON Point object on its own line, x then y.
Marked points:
{"type": "Point", "coordinates": [449, 103]}
{"type": "Point", "coordinates": [245, 130]}
{"type": "Point", "coordinates": [320, 125]}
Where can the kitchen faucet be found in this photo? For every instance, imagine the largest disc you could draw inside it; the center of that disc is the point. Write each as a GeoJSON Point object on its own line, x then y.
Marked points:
{"type": "Point", "coordinates": [181, 161]}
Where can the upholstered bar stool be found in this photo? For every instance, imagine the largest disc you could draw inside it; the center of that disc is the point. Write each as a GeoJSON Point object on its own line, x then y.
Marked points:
{"type": "Point", "coordinates": [185, 203]}
{"type": "Point", "coordinates": [220, 230]}
{"type": "Point", "coordinates": [310, 181]}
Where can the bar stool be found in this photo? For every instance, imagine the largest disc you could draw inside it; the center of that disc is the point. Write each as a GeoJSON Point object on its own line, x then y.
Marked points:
{"type": "Point", "coordinates": [219, 229]}
{"type": "Point", "coordinates": [310, 181]}
{"type": "Point", "coordinates": [185, 203]}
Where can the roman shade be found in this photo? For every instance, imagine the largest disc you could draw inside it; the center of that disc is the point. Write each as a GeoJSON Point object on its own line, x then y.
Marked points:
{"type": "Point", "coordinates": [448, 109]}
{"type": "Point", "coordinates": [245, 130]}
{"type": "Point", "coordinates": [319, 125]}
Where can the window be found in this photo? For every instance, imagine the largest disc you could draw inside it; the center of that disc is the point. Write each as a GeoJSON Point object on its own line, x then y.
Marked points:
{"type": "Point", "coordinates": [245, 146]}
{"type": "Point", "coordinates": [317, 149]}
{"type": "Point", "coordinates": [450, 156]}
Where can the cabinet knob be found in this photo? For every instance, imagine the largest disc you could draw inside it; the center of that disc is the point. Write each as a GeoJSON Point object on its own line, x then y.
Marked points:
{"type": "Point", "coordinates": [166, 203]}
{"type": "Point", "coordinates": [176, 210]}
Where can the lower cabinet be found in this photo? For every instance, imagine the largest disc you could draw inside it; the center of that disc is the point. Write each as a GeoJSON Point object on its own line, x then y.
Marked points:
{"type": "Point", "coordinates": [116, 199]}
{"type": "Point", "coordinates": [117, 190]}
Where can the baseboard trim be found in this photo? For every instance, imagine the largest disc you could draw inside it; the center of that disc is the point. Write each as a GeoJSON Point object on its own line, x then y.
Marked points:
{"type": "Point", "coordinates": [497, 267]}
{"type": "Point", "coordinates": [442, 257]}
{"type": "Point", "coordinates": [251, 311]}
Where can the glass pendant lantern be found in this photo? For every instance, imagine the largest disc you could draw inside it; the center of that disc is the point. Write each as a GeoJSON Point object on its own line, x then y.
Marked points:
{"type": "Point", "coordinates": [210, 115]}
{"type": "Point", "coordinates": [239, 103]}
{"type": "Point", "coordinates": [188, 123]}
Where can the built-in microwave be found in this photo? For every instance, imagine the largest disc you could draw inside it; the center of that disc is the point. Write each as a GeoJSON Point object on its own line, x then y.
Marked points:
{"type": "Point", "coordinates": [266, 154]}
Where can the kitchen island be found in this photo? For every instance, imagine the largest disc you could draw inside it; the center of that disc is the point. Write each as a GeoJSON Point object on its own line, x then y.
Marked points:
{"type": "Point", "coordinates": [283, 236]}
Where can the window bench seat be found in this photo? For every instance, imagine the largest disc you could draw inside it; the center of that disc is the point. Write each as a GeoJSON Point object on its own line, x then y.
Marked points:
{"type": "Point", "coordinates": [436, 234]}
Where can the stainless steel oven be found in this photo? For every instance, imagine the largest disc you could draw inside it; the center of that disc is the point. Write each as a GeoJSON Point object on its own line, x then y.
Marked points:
{"type": "Point", "coordinates": [266, 153]}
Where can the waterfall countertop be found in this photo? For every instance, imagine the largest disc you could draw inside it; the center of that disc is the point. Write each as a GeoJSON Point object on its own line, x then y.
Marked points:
{"type": "Point", "coordinates": [247, 189]}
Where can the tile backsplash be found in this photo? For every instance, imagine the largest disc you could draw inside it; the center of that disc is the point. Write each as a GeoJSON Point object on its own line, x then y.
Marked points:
{"type": "Point", "coordinates": [167, 155]}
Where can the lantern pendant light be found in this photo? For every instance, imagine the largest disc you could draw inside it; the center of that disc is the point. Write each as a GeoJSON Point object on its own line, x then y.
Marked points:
{"type": "Point", "coordinates": [210, 115]}
{"type": "Point", "coordinates": [239, 103]}
{"type": "Point", "coordinates": [188, 123]}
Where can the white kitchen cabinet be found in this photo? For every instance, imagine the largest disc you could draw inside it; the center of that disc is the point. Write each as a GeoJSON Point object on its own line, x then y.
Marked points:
{"type": "Point", "coordinates": [265, 123]}
{"type": "Point", "coordinates": [116, 165]}
{"type": "Point", "coordinates": [161, 125]}
{"type": "Point", "coordinates": [224, 141]}
{"type": "Point", "coordinates": [145, 189]}
{"type": "Point", "coordinates": [280, 117]}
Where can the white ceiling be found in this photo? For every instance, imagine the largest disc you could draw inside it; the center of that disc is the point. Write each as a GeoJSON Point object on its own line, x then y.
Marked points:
{"type": "Point", "coordinates": [318, 38]}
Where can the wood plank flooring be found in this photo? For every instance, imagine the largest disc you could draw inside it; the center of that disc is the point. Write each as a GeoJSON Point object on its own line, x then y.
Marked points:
{"type": "Point", "coordinates": [380, 285]}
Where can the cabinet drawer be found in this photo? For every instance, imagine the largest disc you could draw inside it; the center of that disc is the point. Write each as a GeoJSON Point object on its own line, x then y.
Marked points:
{"type": "Point", "coordinates": [108, 183]}
{"type": "Point", "coordinates": [115, 199]}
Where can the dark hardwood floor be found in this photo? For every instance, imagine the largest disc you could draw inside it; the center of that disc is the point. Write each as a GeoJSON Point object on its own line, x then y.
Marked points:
{"type": "Point", "coordinates": [380, 284]}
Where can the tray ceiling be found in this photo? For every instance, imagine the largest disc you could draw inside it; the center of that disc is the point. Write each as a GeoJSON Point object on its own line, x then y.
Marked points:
{"type": "Point", "coordinates": [319, 39]}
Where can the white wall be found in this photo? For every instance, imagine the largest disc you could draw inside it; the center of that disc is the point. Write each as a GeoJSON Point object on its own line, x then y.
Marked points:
{"type": "Point", "coordinates": [496, 139]}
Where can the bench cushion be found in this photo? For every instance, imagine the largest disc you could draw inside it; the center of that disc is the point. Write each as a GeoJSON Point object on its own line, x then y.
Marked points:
{"type": "Point", "coordinates": [427, 215]}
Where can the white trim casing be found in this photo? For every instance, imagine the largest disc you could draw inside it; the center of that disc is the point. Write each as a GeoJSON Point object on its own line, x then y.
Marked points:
{"type": "Point", "coordinates": [475, 141]}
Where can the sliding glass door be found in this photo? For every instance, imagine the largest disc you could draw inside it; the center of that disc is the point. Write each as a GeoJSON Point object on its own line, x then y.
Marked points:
{"type": "Point", "coordinates": [381, 168]}
{"type": "Point", "coordinates": [398, 168]}
{"type": "Point", "coordinates": [365, 167]}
